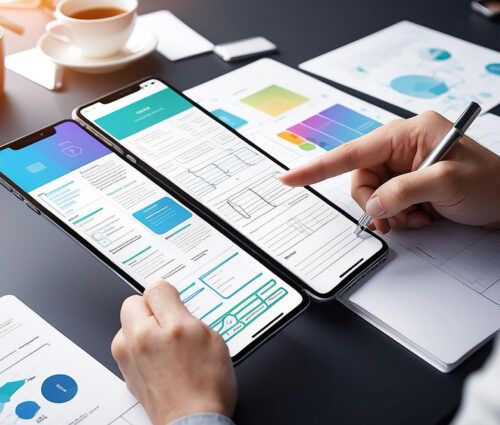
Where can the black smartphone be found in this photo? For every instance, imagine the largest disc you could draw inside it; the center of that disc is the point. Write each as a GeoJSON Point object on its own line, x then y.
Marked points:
{"type": "Point", "coordinates": [146, 232]}
{"type": "Point", "coordinates": [180, 144]}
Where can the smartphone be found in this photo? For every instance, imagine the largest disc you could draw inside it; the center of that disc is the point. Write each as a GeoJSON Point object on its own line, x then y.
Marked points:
{"type": "Point", "coordinates": [180, 144]}
{"type": "Point", "coordinates": [145, 232]}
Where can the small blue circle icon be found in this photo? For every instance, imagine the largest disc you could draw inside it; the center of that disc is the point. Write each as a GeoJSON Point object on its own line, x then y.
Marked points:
{"type": "Point", "coordinates": [59, 388]}
{"type": "Point", "coordinates": [493, 68]}
{"type": "Point", "coordinates": [27, 409]}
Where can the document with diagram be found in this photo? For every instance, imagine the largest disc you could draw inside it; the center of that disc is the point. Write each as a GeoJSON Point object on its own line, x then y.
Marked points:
{"type": "Point", "coordinates": [296, 118]}
{"type": "Point", "coordinates": [46, 379]}
{"type": "Point", "coordinates": [415, 68]}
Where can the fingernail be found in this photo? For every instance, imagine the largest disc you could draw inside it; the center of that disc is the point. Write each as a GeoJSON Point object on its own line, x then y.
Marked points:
{"type": "Point", "coordinates": [374, 207]}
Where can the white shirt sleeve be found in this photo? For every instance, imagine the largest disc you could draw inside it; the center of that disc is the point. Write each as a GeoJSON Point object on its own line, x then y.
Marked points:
{"type": "Point", "coordinates": [481, 397]}
{"type": "Point", "coordinates": [203, 419]}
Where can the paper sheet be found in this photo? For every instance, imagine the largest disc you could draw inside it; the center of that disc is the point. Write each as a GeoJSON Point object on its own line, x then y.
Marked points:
{"type": "Point", "coordinates": [415, 68]}
{"type": "Point", "coordinates": [422, 260]}
{"type": "Point", "coordinates": [176, 40]}
{"type": "Point", "coordinates": [34, 66]}
{"type": "Point", "coordinates": [45, 378]}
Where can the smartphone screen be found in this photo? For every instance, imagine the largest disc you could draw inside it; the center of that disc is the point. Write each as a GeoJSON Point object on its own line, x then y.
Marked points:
{"type": "Point", "coordinates": [236, 181]}
{"type": "Point", "coordinates": [148, 234]}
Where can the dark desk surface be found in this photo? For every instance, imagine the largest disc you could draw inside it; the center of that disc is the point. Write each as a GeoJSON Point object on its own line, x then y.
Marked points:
{"type": "Point", "coordinates": [329, 366]}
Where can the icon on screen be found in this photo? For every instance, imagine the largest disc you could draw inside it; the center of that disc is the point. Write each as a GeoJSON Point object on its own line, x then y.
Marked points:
{"type": "Point", "coordinates": [36, 167]}
{"type": "Point", "coordinates": [68, 149]}
{"type": "Point", "coordinates": [72, 151]}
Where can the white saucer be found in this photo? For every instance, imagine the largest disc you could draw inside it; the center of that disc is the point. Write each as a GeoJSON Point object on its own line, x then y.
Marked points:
{"type": "Point", "coordinates": [141, 43]}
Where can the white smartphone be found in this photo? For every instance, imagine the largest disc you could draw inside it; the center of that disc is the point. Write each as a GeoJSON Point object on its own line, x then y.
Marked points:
{"type": "Point", "coordinates": [243, 49]}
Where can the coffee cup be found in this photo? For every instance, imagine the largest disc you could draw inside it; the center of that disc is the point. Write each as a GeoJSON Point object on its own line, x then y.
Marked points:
{"type": "Point", "coordinates": [99, 28]}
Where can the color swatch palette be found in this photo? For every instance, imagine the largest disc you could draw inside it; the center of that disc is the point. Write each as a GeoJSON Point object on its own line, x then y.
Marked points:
{"type": "Point", "coordinates": [274, 100]}
{"type": "Point", "coordinates": [329, 129]}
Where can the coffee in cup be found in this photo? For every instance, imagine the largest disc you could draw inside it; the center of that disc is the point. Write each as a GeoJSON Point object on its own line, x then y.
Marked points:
{"type": "Point", "coordinates": [99, 28]}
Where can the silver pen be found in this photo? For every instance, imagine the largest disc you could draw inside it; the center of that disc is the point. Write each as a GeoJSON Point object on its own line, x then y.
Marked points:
{"type": "Point", "coordinates": [439, 152]}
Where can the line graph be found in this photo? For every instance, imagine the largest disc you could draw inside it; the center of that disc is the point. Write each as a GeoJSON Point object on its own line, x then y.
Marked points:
{"type": "Point", "coordinates": [298, 228]}
{"type": "Point", "coordinates": [205, 178]}
{"type": "Point", "coordinates": [257, 198]}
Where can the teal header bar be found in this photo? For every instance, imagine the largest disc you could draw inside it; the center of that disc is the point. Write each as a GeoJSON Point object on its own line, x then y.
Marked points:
{"type": "Point", "coordinates": [143, 114]}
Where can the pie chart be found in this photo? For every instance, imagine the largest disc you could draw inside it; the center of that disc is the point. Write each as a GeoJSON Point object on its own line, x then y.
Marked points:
{"type": "Point", "coordinates": [59, 388]}
{"type": "Point", "coordinates": [420, 86]}
{"type": "Point", "coordinates": [27, 410]}
{"type": "Point", "coordinates": [493, 68]}
{"type": "Point", "coordinates": [434, 54]}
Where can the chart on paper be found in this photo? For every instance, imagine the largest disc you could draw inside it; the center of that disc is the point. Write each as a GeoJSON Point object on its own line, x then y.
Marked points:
{"type": "Point", "coordinates": [416, 68]}
{"type": "Point", "coordinates": [45, 378]}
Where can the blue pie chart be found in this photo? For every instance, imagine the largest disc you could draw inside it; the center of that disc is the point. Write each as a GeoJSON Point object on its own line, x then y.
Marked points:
{"type": "Point", "coordinates": [27, 409]}
{"type": "Point", "coordinates": [59, 388]}
{"type": "Point", "coordinates": [420, 86]}
{"type": "Point", "coordinates": [434, 54]}
{"type": "Point", "coordinates": [493, 68]}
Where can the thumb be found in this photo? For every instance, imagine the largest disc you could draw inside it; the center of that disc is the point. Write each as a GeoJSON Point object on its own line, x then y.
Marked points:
{"type": "Point", "coordinates": [165, 303]}
{"type": "Point", "coordinates": [432, 184]}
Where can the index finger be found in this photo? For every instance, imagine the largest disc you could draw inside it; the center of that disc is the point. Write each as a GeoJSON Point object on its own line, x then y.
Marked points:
{"type": "Point", "coordinates": [364, 152]}
{"type": "Point", "coordinates": [165, 303]}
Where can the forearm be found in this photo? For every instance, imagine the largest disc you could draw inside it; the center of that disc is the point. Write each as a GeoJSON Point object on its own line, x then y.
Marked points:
{"type": "Point", "coordinates": [203, 419]}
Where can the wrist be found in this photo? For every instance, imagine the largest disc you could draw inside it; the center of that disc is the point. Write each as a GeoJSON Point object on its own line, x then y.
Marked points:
{"type": "Point", "coordinates": [203, 419]}
{"type": "Point", "coordinates": [191, 408]}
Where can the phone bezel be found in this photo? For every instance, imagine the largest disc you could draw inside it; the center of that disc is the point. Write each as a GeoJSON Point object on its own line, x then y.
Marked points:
{"type": "Point", "coordinates": [260, 338]}
{"type": "Point", "coordinates": [350, 278]}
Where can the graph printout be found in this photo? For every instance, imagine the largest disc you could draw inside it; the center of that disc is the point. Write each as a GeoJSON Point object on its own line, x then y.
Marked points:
{"type": "Point", "coordinates": [46, 379]}
{"type": "Point", "coordinates": [416, 68]}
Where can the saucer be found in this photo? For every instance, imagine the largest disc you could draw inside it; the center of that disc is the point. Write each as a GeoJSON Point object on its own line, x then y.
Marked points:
{"type": "Point", "coordinates": [141, 43]}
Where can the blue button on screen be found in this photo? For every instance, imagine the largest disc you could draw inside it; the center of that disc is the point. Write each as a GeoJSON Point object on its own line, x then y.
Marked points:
{"type": "Point", "coordinates": [162, 215]}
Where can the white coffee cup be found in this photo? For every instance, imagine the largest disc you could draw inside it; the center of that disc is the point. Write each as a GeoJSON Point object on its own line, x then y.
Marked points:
{"type": "Point", "coordinates": [96, 38]}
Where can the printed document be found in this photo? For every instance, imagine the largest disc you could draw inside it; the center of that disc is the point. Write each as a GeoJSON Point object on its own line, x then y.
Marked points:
{"type": "Point", "coordinates": [46, 379]}
{"type": "Point", "coordinates": [415, 68]}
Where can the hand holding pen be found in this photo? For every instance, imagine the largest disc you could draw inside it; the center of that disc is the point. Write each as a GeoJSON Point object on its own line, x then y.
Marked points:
{"type": "Point", "coordinates": [388, 181]}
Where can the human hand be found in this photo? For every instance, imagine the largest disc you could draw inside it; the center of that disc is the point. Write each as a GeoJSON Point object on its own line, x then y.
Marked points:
{"type": "Point", "coordinates": [172, 362]}
{"type": "Point", "coordinates": [464, 187]}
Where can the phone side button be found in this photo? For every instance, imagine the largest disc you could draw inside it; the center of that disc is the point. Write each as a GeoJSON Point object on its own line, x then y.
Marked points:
{"type": "Point", "coordinates": [18, 196]}
{"type": "Point", "coordinates": [7, 187]}
{"type": "Point", "coordinates": [131, 159]}
{"type": "Point", "coordinates": [32, 208]}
